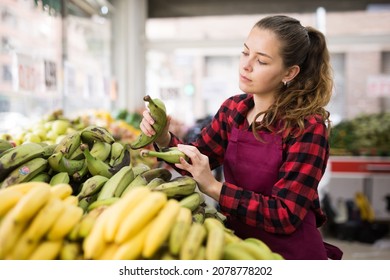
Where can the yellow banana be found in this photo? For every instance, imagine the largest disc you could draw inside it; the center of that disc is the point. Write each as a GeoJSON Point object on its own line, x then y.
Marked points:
{"type": "Point", "coordinates": [215, 239]}
{"type": "Point", "coordinates": [158, 112]}
{"type": "Point", "coordinates": [121, 209]}
{"type": "Point", "coordinates": [25, 172]}
{"type": "Point", "coordinates": [88, 220]}
{"type": "Point", "coordinates": [10, 233]}
{"type": "Point", "coordinates": [201, 255]}
{"type": "Point", "coordinates": [160, 228]}
{"type": "Point", "coordinates": [132, 249]}
{"type": "Point", "coordinates": [94, 243]}
{"type": "Point", "coordinates": [170, 154]}
{"type": "Point", "coordinates": [194, 240]}
{"type": "Point", "coordinates": [8, 199]}
{"type": "Point", "coordinates": [258, 249]}
{"type": "Point", "coordinates": [31, 203]}
{"type": "Point", "coordinates": [23, 248]}
{"type": "Point", "coordinates": [44, 220]}
{"type": "Point", "coordinates": [60, 178]}
{"type": "Point", "coordinates": [179, 230]}
{"type": "Point", "coordinates": [109, 251]}
{"type": "Point", "coordinates": [61, 190]}
{"type": "Point", "coordinates": [72, 200]}
{"type": "Point", "coordinates": [140, 215]}
{"type": "Point", "coordinates": [70, 251]}
{"type": "Point", "coordinates": [65, 222]}
{"type": "Point", "coordinates": [235, 251]}
{"type": "Point", "coordinates": [47, 250]}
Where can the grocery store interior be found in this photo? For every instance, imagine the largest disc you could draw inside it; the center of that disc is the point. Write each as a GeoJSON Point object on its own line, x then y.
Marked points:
{"type": "Point", "coordinates": [97, 59]}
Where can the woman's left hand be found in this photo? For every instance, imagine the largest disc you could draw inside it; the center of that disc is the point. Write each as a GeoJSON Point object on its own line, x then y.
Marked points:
{"type": "Point", "coordinates": [199, 168]}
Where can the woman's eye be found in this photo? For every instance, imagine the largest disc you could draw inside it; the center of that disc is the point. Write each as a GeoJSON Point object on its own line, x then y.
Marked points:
{"type": "Point", "coordinates": [261, 63]}
{"type": "Point", "coordinates": [244, 53]}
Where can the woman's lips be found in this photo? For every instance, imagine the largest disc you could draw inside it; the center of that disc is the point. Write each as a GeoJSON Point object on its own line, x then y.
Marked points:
{"type": "Point", "coordinates": [244, 79]}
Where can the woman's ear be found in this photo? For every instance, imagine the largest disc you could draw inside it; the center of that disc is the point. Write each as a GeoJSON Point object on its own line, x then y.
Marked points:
{"type": "Point", "coordinates": [292, 72]}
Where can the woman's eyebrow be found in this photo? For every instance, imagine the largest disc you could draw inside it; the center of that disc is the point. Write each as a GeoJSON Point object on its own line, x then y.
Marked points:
{"type": "Point", "coordinates": [259, 53]}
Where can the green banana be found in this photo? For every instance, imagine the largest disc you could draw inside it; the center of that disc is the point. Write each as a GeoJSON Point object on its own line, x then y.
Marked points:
{"type": "Point", "coordinates": [91, 186]}
{"type": "Point", "coordinates": [117, 183]}
{"type": "Point", "coordinates": [100, 150]}
{"type": "Point", "coordinates": [96, 166]}
{"type": "Point", "coordinates": [48, 150]}
{"type": "Point", "coordinates": [124, 160]}
{"type": "Point", "coordinates": [170, 155]}
{"type": "Point", "coordinates": [139, 181]}
{"type": "Point", "coordinates": [25, 172]}
{"type": "Point", "coordinates": [97, 203]}
{"type": "Point", "coordinates": [77, 154]}
{"type": "Point", "coordinates": [18, 155]}
{"type": "Point", "coordinates": [5, 145]}
{"type": "Point", "coordinates": [192, 201]}
{"type": "Point", "coordinates": [199, 215]}
{"type": "Point", "coordinates": [158, 172]}
{"type": "Point", "coordinates": [80, 174]}
{"type": "Point", "coordinates": [41, 177]}
{"type": "Point", "coordinates": [155, 182]}
{"type": "Point", "coordinates": [59, 178]}
{"type": "Point", "coordinates": [93, 133]}
{"type": "Point", "coordinates": [140, 168]}
{"type": "Point", "coordinates": [68, 144]}
{"type": "Point", "coordinates": [178, 187]}
{"type": "Point", "coordinates": [158, 112]}
{"type": "Point", "coordinates": [58, 162]}
{"type": "Point", "coordinates": [87, 200]}
{"type": "Point", "coordinates": [116, 152]}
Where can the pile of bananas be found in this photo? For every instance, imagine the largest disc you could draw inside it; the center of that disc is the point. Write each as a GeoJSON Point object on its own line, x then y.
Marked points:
{"type": "Point", "coordinates": [35, 220]}
{"type": "Point", "coordinates": [84, 198]}
{"type": "Point", "coordinates": [39, 221]}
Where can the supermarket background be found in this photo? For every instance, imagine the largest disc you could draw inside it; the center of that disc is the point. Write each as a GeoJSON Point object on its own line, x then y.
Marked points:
{"type": "Point", "coordinates": [98, 58]}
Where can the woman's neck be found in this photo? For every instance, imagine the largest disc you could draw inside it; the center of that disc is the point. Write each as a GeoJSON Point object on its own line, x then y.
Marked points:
{"type": "Point", "coordinates": [262, 103]}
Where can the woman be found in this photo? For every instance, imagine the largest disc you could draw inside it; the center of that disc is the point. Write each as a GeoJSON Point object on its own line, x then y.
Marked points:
{"type": "Point", "coordinates": [272, 140]}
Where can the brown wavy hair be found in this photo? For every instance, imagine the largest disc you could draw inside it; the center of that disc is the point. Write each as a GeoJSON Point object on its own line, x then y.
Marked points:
{"type": "Point", "coordinates": [310, 91]}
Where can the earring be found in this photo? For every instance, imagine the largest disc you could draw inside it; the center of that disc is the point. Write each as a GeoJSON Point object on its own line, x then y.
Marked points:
{"type": "Point", "coordinates": [285, 83]}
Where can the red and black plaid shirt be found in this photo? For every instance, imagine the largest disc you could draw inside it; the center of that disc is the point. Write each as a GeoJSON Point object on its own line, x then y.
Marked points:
{"type": "Point", "coordinates": [293, 195]}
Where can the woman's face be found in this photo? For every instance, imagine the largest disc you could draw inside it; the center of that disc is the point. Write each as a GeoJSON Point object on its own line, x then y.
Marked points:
{"type": "Point", "coordinates": [261, 67]}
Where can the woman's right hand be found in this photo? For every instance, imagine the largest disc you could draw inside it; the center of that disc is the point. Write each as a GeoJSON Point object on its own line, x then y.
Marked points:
{"type": "Point", "coordinates": [147, 128]}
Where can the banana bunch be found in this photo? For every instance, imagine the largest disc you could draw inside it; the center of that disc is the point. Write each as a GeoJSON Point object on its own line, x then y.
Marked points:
{"type": "Point", "coordinates": [158, 112]}
{"type": "Point", "coordinates": [36, 219]}
{"type": "Point", "coordinates": [20, 163]}
{"type": "Point", "coordinates": [145, 224]}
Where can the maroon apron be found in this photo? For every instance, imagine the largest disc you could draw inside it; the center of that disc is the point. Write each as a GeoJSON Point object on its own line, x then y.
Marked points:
{"type": "Point", "coordinates": [254, 166]}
